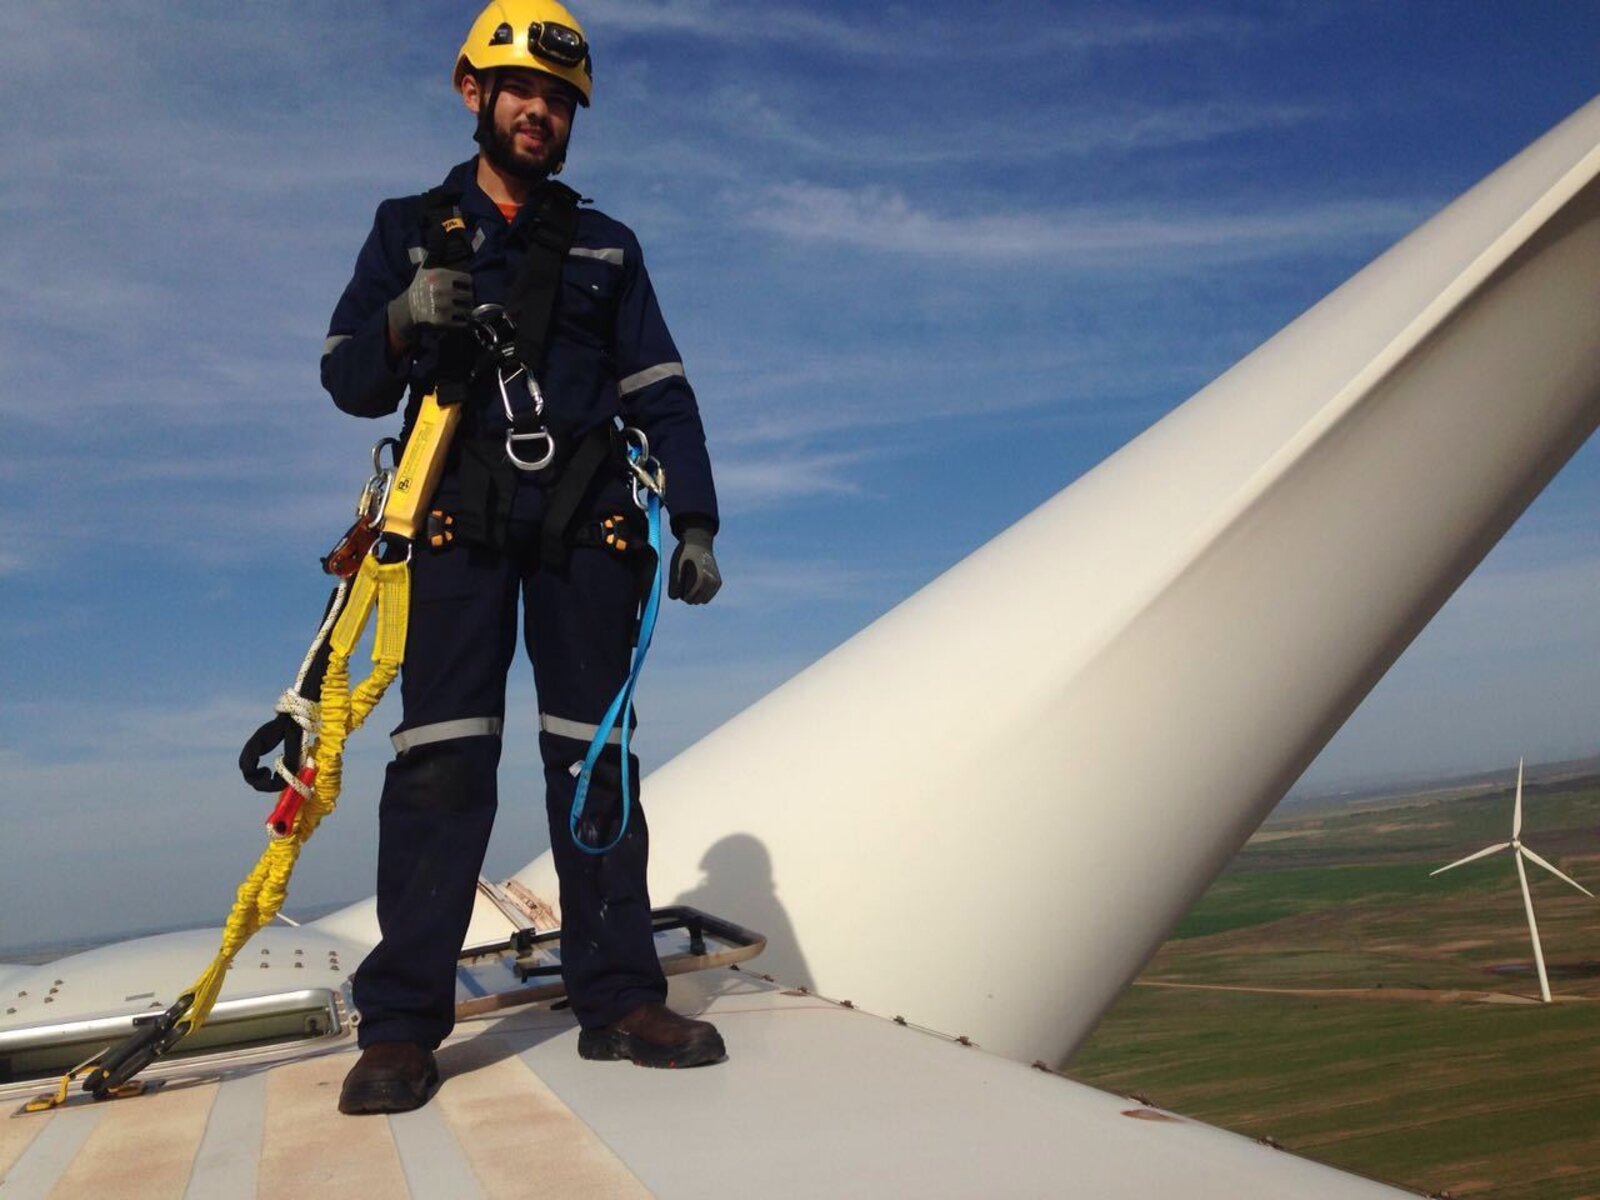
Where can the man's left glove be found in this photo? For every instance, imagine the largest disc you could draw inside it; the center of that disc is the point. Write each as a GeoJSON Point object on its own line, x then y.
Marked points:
{"type": "Point", "coordinates": [693, 576]}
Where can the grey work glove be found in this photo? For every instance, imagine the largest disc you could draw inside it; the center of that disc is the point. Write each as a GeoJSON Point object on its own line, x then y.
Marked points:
{"type": "Point", "coordinates": [693, 576]}
{"type": "Point", "coordinates": [438, 298]}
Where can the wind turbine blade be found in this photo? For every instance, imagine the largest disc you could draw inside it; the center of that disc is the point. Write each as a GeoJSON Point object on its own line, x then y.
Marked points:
{"type": "Point", "coordinates": [1533, 929]}
{"type": "Point", "coordinates": [1558, 874]}
{"type": "Point", "coordinates": [1516, 816]}
{"type": "Point", "coordinates": [1495, 849]}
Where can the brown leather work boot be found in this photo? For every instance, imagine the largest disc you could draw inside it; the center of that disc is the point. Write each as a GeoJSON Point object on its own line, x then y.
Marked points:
{"type": "Point", "coordinates": [652, 1035]}
{"type": "Point", "coordinates": [389, 1077]}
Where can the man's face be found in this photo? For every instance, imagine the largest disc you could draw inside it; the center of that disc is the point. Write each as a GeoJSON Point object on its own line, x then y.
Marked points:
{"type": "Point", "coordinates": [532, 120]}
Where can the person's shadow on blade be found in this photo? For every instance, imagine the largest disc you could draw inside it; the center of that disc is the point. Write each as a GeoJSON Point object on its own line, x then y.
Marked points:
{"type": "Point", "coordinates": [737, 885]}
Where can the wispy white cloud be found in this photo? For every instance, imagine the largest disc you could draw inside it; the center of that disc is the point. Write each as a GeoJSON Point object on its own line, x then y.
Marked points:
{"type": "Point", "coordinates": [907, 33]}
{"type": "Point", "coordinates": [883, 220]}
{"type": "Point", "coordinates": [770, 584]}
{"type": "Point", "coordinates": [99, 729]}
{"type": "Point", "coordinates": [726, 22]}
{"type": "Point", "coordinates": [1046, 131]}
{"type": "Point", "coordinates": [748, 483]}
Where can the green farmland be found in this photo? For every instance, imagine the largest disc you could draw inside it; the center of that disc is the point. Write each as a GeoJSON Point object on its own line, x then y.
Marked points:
{"type": "Point", "coordinates": [1328, 994]}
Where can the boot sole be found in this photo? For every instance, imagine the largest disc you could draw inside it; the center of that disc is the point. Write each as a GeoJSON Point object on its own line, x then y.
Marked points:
{"type": "Point", "coordinates": [387, 1096]}
{"type": "Point", "coordinates": [602, 1045]}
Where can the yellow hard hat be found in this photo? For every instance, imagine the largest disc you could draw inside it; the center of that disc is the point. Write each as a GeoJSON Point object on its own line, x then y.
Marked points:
{"type": "Point", "coordinates": [538, 35]}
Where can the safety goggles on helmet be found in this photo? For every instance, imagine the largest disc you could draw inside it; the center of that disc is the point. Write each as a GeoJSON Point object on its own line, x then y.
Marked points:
{"type": "Point", "coordinates": [549, 40]}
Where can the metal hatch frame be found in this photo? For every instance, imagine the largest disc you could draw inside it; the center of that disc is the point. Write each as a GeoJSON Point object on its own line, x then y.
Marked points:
{"type": "Point", "coordinates": [708, 941]}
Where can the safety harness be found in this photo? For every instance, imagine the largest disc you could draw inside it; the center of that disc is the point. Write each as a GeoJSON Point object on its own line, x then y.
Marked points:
{"type": "Point", "coordinates": [371, 565]}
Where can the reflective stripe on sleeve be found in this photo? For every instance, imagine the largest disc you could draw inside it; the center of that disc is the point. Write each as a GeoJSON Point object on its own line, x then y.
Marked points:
{"type": "Point", "coordinates": [643, 379]}
{"type": "Point", "coordinates": [328, 346]}
{"type": "Point", "coordinates": [606, 254]}
{"type": "Point", "coordinates": [576, 730]}
{"type": "Point", "coordinates": [446, 731]}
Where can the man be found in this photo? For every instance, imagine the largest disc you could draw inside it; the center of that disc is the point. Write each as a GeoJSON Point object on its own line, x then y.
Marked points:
{"type": "Point", "coordinates": [534, 501]}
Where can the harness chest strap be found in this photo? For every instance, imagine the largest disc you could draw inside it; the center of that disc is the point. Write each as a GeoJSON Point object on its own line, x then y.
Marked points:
{"type": "Point", "coordinates": [531, 307]}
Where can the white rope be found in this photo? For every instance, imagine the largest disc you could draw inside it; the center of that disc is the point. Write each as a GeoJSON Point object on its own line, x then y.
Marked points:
{"type": "Point", "coordinates": [334, 609]}
{"type": "Point", "coordinates": [308, 713]}
{"type": "Point", "coordinates": [281, 769]}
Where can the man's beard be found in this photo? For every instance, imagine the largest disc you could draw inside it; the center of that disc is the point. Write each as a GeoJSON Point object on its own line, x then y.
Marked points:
{"type": "Point", "coordinates": [501, 148]}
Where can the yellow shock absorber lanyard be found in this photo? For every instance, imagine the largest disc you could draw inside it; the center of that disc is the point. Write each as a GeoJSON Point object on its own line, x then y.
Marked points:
{"type": "Point", "coordinates": [384, 588]}
{"type": "Point", "coordinates": [420, 466]}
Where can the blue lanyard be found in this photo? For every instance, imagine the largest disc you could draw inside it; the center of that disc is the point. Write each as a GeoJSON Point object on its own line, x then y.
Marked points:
{"type": "Point", "coordinates": [622, 704]}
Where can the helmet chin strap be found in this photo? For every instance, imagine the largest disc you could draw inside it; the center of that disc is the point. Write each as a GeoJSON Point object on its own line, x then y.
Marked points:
{"type": "Point", "coordinates": [483, 134]}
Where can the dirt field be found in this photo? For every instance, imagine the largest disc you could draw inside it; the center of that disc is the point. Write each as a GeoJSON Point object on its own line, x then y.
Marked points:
{"type": "Point", "coordinates": [1328, 993]}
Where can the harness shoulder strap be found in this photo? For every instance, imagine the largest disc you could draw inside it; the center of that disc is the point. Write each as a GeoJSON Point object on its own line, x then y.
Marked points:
{"type": "Point", "coordinates": [444, 232]}
{"type": "Point", "coordinates": [532, 298]}
{"type": "Point", "coordinates": [445, 244]}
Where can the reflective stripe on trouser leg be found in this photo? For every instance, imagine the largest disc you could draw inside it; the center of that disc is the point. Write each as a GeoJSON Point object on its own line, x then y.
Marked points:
{"type": "Point", "coordinates": [578, 731]}
{"type": "Point", "coordinates": [445, 731]}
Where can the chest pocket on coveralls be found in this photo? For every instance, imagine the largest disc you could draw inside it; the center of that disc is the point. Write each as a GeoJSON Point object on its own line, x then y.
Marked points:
{"type": "Point", "coordinates": [586, 306]}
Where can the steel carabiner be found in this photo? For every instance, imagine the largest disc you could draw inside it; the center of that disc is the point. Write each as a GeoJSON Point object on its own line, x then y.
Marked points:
{"type": "Point", "coordinates": [644, 469]}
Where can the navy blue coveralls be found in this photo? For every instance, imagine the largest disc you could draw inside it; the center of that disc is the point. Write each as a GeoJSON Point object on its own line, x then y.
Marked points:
{"type": "Point", "coordinates": [609, 355]}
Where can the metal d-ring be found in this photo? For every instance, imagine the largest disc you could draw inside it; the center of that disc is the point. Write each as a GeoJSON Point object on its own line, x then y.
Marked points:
{"type": "Point", "coordinates": [538, 464]}
{"type": "Point", "coordinates": [513, 438]}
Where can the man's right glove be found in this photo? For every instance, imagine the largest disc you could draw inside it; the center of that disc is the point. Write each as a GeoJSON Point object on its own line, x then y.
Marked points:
{"type": "Point", "coordinates": [693, 576]}
{"type": "Point", "coordinates": [438, 298]}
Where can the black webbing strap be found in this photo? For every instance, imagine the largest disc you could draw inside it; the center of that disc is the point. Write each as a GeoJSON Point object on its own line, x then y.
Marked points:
{"type": "Point", "coordinates": [569, 494]}
{"type": "Point", "coordinates": [445, 244]}
{"type": "Point", "coordinates": [283, 729]}
{"type": "Point", "coordinates": [488, 485]}
{"type": "Point", "coordinates": [550, 228]}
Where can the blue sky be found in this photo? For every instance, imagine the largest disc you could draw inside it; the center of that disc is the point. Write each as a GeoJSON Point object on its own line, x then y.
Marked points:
{"type": "Point", "coordinates": [925, 267]}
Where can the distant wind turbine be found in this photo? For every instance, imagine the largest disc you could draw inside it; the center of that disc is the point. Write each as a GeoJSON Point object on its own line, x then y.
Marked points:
{"type": "Point", "coordinates": [1520, 852]}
